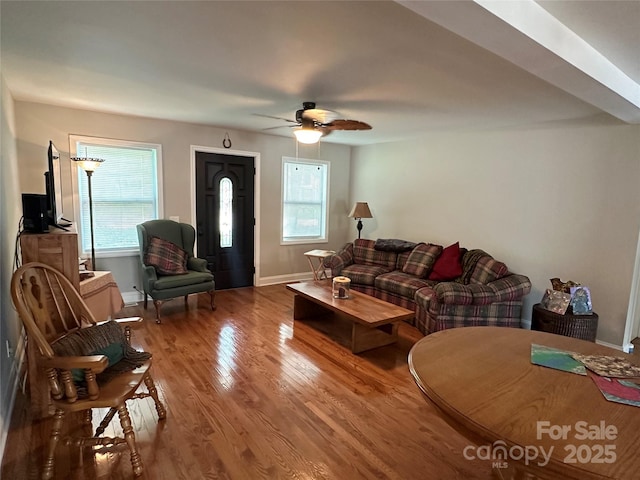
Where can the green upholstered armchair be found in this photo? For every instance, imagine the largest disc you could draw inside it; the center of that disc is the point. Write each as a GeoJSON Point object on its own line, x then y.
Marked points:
{"type": "Point", "coordinates": [161, 286]}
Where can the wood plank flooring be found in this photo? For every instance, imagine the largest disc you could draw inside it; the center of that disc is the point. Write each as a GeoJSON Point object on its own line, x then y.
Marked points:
{"type": "Point", "coordinates": [251, 395]}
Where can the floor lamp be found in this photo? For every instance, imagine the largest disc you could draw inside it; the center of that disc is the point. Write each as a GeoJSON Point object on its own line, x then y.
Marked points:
{"type": "Point", "coordinates": [359, 211]}
{"type": "Point", "coordinates": [90, 165]}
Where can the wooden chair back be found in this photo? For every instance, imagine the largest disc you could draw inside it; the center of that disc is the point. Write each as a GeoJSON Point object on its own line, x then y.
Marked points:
{"type": "Point", "coordinates": [48, 304]}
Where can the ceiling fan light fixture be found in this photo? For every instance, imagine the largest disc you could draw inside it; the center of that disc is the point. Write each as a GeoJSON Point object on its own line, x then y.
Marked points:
{"type": "Point", "coordinates": [307, 135]}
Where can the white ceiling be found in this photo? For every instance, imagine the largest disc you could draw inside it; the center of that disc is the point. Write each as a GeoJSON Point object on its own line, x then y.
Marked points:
{"type": "Point", "coordinates": [398, 66]}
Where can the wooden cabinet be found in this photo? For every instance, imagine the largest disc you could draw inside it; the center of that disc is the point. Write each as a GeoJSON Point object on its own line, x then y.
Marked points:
{"type": "Point", "coordinates": [58, 249]}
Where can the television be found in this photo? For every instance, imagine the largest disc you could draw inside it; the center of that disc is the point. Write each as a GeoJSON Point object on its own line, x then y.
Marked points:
{"type": "Point", "coordinates": [53, 185]}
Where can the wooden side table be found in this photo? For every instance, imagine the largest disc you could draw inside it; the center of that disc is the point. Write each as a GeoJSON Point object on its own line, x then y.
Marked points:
{"type": "Point", "coordinates": [584, 327]}
{"type": "Point", "coordinates": [315, 258]}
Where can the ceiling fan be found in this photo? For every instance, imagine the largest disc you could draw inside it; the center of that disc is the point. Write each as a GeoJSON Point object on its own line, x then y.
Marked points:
{"type": "Point", "coordinates": [311, 123]}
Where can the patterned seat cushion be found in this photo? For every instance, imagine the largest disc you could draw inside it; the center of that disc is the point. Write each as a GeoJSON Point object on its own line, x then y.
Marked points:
{"type": "Point", "coordinates": [400, 283]}
{"type": "Point", "coordinates": [363, 274]}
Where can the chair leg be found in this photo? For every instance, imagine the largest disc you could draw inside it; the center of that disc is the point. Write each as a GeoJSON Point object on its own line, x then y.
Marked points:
{"type": "Point", "coordinates": [153, 391]}
{"type": "Point", "coordinates": [146, 297]}
{"type": "Point", "coordinates": [56, 430]}
{"type": "Point", "coordinates": [105, 421]}
{"type": "Point", "coordinates": [130, 438]}
{"type": "Point", "coordinates": [157, 304]}
{"type": "Point", "coordinates": [186, 298]}
{"type": "Point", "coordinates": [212, 294]}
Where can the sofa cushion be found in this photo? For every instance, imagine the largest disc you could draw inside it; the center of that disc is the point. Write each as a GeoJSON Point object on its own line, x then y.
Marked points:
{"type": "Point", "coordinates": [189, 278]}
{"type": "Point", "coordinates": [400, 283]}
{"type": "Point", "coordinates": [448, 265]}
{"type": "Point", "coordinates": [167, 258]}
{"type": "Point", "coordinates": [365, 253]}
{"type": "Point", "coordinates": [363, 274]}
{"type": "Point", "coordinates": [487, 270]}
{"type": "Point", "coordinates": [421, 259]}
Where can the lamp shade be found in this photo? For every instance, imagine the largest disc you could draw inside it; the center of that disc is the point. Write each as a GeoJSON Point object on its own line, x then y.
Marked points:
{"type": "Point", "coordinates": [88, 164]}
{"type": "Point", "coordinates": [307, 135]}
{"type": "Point", "coordinates": [360, 210]}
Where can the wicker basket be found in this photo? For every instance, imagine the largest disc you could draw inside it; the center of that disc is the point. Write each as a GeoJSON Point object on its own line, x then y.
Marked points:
{"type": "Point", "coordinates": [584, 327]}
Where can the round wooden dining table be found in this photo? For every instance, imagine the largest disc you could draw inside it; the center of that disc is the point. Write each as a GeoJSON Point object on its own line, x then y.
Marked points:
{"type": "Point", "coordinates": [538, 421]}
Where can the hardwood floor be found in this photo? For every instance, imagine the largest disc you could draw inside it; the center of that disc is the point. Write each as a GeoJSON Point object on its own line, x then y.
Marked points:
{"type": "Point", "coordinates": [251, 395]}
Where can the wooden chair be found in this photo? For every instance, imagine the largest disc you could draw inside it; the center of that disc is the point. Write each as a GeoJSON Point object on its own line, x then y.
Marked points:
{"type": "Point", "coordinates": [52, 310]}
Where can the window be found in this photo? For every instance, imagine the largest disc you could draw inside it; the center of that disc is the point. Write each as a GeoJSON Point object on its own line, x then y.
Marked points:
{"type": "Point", "coordinates": [125, 191]}
{"type": "Point", "coordinates": [305, 196]}
{"type": "Point", "coordinates": [226, 213]}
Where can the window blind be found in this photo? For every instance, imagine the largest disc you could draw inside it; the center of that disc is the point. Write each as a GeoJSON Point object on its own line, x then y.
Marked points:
{"type": "Point", "coordinates": [124, 192]}
{"type": "Point", "coordinates": [304, 204]}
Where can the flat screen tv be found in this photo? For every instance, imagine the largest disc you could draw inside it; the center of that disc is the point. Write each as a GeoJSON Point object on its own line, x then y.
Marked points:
{"type": "Point", "coordinates": [53, 185]}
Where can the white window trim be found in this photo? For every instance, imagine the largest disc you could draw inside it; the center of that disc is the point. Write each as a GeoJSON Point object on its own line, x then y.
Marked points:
{"type": "Point", "coordinates": [326, 217]}
{"type": "Point", "coordinates": [73, 140]}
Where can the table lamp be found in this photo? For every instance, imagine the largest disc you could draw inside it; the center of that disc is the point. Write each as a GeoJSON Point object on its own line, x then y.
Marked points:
{"type": "Point", "coordinates": [359, 211]}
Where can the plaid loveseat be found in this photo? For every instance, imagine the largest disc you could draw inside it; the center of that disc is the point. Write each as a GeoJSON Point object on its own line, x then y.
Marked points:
{"type": "Point", "coordinates": [485, 293]}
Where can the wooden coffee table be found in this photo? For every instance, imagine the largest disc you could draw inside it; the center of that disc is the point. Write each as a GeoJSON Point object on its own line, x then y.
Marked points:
{"type": "Point", "coordinates": [360, 322]}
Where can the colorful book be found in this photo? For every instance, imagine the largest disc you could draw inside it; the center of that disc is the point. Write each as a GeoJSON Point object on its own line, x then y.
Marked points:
{"type": "Point", "coordinates": [608, 366]}
{"type": "Point", "coordinates": [556, 359]}
{"type": "Point", "coordinates": [618, 390]}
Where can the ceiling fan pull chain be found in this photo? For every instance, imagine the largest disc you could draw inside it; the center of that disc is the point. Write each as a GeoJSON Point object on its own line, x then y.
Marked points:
{"type": "Point", "coordinates": [226, 141]}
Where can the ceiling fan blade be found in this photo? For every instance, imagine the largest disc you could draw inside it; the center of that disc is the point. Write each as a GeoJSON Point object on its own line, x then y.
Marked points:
{"type": "Point", "coordinates": [281, 126]}
{"type": "Point", "coordinates": [347, 125]}
{"type": "Point", "coordinates": [325, 131]}
{"type": "Point", "coordinates": [275, 118]}
{"type": "Point", "coordinates": [319, 115]}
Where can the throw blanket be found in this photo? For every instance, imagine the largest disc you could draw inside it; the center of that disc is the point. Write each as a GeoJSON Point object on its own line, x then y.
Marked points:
{"type": "Point", "coordinates": [469, 261]}
{"type": "Point", "coordinates": [393, 245]}
{"type": "Point", "coordinates": [94, 340]}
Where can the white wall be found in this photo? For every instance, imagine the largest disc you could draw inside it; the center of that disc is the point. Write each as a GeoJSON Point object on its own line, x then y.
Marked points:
{"type": "Point", "coordinates": [558, 202]}
{"type": "Point", "coordinates": [10, 213]}
{"type": "Point", "coordinates": [562, 201]}
{"type": "Point", "coordinates": [37, 124]}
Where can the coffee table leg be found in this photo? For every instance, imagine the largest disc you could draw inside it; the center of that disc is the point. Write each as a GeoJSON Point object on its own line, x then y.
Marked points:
{"type": "Point", "coordinates": [365, 338]}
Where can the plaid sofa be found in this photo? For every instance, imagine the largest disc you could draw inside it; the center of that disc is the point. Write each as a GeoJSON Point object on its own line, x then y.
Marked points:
{"type": "Point", "coordinates": [486, 293]}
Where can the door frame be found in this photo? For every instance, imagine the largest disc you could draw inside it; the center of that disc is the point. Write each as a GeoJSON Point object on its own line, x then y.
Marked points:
{"type": "Point", "coordinates": [632, 325]}
{"type": "Point", "coordinates": [256, 195]}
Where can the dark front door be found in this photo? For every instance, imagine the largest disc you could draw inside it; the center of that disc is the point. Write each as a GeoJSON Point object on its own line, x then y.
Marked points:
{"type": "Point", "coordinates": [225, 217]}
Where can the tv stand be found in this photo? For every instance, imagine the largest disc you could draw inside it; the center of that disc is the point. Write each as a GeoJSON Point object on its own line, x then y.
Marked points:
{"type": "Point", "coordinates": [58, 249]}
{"type": "Point", "coordinates": [61, 226]}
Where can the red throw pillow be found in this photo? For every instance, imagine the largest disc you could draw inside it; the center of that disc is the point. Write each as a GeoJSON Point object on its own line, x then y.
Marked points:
{"type": "Point", "coordinates": [448, 265]}
{"type": "Point", "coordinates": [166, 257]}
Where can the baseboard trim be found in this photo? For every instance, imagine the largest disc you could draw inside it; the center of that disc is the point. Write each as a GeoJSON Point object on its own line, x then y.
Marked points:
{"type": "Point", "coordinates": [290, 278]}
{"type": "Point", "coordinates": [611, 345]}
{"type": "Point", "coordinates": [132, 298]}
